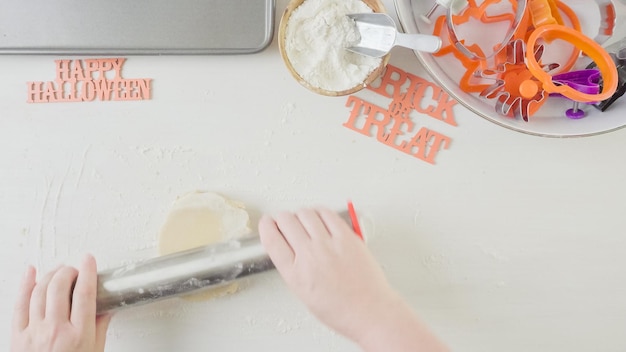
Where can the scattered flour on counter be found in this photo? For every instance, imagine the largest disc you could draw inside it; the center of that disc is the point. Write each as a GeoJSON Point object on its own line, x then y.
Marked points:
{"type": "Point", "coordinates": [316, 36]}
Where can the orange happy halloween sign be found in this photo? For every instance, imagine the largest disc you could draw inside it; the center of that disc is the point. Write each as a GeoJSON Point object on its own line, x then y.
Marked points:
{"type": "Point", "coordinates": [89, 80]}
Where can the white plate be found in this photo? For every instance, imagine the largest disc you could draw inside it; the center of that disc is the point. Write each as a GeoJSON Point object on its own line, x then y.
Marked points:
{"type": "Point", "coordinates": [550, 120]}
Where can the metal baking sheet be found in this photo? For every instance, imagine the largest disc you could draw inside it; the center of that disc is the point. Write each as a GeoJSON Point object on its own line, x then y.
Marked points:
{"type": "Point", "coordinates": [135, 26]}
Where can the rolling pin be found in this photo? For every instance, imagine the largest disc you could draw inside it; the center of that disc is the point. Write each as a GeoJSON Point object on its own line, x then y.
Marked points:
{"type": "Point", "coordinates": [187, 271]}
{"type": "Point", "coordinates": [180, 273]}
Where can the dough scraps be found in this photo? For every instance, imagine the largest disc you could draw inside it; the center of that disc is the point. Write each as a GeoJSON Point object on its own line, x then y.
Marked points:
{"type": "Point", "coordinates": [200, 219]}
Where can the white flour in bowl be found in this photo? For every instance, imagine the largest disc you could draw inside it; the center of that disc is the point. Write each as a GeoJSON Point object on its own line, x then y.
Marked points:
{"type": "Point", "coordinates": [316, 38]}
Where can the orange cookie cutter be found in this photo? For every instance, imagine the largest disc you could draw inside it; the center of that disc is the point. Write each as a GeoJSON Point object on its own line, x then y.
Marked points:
{"type": "Point", "coordinates": [544, 12]}
{"type": "Point", "coordinates": [589, 47]}
{"type": "Point", "coordinates": [517, 92]}
{"type": "Point", "coordinates": [471, 66]}
{"type": "Point", "coordinates": [480, 12]}
{"type": "Point", "coordinates": [575, 22]}
{"type": "Point", "coordinates": [460, 50]}
{"type": "Point", "coordinates": [521, 27]}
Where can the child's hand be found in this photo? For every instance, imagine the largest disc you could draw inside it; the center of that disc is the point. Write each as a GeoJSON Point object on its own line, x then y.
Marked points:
{"type": "Point", "coordinates": [331, 270]}
{"type": "Point", "coordinates": [327, 266]}
{"type": "Point", "coordinates": [51, 317]}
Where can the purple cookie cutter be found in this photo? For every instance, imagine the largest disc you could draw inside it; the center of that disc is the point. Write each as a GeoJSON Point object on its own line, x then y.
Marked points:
{"type": "Point", "coordinates": [585, 81]}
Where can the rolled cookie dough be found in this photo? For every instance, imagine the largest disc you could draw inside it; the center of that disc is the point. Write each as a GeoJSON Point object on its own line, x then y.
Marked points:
{"type": "Point", "coordinates": [199, 219]}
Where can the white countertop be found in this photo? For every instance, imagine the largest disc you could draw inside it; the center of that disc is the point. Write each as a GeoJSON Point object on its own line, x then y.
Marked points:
{"type": "Point", "coordinates": [508, 243]}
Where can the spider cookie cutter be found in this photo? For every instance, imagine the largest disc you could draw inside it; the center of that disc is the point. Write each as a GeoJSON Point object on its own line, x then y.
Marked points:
{"type": "Point", "coordinates": [593, 50]}
{"type": "Point", "coordinates": [516, 91]}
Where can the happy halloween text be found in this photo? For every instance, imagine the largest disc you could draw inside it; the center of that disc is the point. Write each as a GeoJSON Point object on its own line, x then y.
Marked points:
{"type": "Point", "coordinates": [88, 80]}
{"type": "Point", "coordinates": [394, 126]}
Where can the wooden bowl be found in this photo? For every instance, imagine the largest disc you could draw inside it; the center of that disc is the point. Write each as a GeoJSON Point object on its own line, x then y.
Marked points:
{"type": "Point", "coordinates": [375, 5]}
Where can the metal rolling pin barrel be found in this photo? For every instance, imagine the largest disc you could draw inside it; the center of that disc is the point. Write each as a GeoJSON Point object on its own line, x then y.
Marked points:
{"type": "Point", "coordinates": [180, 273]}
{"type": "Point", "coordinates": [184, 272]}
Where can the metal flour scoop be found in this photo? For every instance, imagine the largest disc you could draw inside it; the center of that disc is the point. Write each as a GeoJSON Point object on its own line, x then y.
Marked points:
{"type": "Point", "coordinates": [379, 34]}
